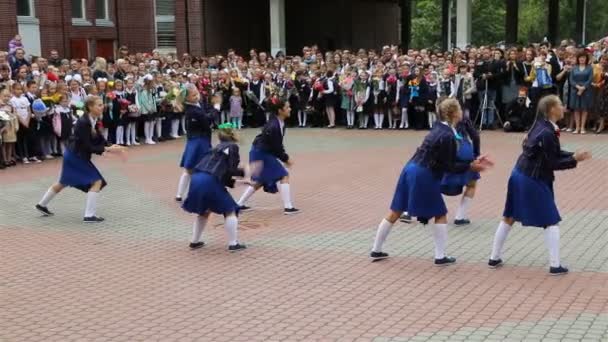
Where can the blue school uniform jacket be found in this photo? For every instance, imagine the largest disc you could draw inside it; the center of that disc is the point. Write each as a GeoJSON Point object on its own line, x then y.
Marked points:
{"type": "Point", "coordinates": [198, 122]}
{"type": "Point", "coordinates": [87, 140]}
{"type": "Point", "coordinates": [438, 152]}
{"type": "Point", "coordinates": [271, 139]}
{"type": "Point", "coordinates": [222, 162]}
{"type": "Point", "coordinates": [542, 153]}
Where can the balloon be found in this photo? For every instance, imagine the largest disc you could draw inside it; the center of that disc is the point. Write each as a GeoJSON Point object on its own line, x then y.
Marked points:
{"type": "Point", "coordinates": [39, 106]}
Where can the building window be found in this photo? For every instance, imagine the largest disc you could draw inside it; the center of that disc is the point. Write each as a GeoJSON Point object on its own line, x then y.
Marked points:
{"type": "Point", "coordinates": [101, 9]}
{"type": "Point", "coordinates": [165, 24]}
{"type": "Point", "coordinates": [25, 8]}
{"type": "Point", "coordinates": [78, 9]}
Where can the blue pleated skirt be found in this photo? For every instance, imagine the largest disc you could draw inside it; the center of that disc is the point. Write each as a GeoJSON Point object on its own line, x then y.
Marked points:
{"type": "Point", "coordinates": [79, 173]}
{"type": "Point", "coordinates": [270, 170]}
{"type": "Point", "coordinates": [194, 151]}
{"type": "Point", "coordinates": [419, 193]}
{"type": "Point", "coordinates": [452, 183]}
{"type": "Point", "coordinates": [207, 193]}
{"type": "Point", "coordinates": [531, 201]}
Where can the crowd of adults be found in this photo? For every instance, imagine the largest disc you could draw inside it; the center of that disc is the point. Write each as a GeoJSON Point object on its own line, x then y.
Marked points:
{"type": "Point", "coordinates": [398, 89]}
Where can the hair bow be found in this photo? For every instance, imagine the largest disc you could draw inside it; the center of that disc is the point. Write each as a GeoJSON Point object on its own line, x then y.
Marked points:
{"type": "Point", "coordinates": [227, 125]}
{"type": "Point", "coordinates": [102, 79]}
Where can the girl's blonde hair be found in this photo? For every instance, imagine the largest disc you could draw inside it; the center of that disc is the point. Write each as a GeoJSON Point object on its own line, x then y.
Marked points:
{"type": "Point", "coordinates": [100, 63]}
{"type": "Point", "coordinates": [227, 134]}
{"type": "Point", "coordinates": [448, 107]}
{"type": "Point", "coordinates": [547, 103]}
{"type": "Point", "coordinates": [90, 101]}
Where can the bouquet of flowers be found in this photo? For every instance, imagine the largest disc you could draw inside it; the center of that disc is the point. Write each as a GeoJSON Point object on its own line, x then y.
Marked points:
{"type": "Point", "coordinates": [392, 79]}
{"type": "Point", "coordinates": [111, 96]}
{"type": "Point", "coordinates": [318, 86]}
{"type": "Point", "coordinates": [414, 85]}
{"type": "Point", "coordinates": [360, 89]}
{"type": "Point", "coordinates": [78, 108]}
{"type": "Point", "coordinates": [4, 116]}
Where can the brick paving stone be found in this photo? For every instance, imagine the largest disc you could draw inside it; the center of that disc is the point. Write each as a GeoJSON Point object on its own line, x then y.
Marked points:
{"type": "Point", "coordinates": [133, 278]}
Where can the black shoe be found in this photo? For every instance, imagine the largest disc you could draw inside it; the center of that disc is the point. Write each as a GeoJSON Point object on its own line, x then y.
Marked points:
{"type": "Point", "coordinates": [237, 247]}
{"type": "Point", "coordinates": [495, 263]}
{"type": "Point", "coordinates": [445, 261]}
{"type": "Point", "coordinates": [555, 271]}
{"type": "Point", "coordinates": [44, 210]}
{"type": "Point", "coordinates": [376, 256]}
{"type": "Point", "coordinates": [93, 219]}
{"type": "Point", "coordinates": [462, 222]}
{"type": "Point", "coordinates": [244, 208]}
{"type": "Point", "coordinates": [196, 245]}
{"type": "Point", "coordinates": [290, 211]}
{"type": "Point", "coordinates": [178, 199]}
{"type": "Point", "coordinates": [406, 218]}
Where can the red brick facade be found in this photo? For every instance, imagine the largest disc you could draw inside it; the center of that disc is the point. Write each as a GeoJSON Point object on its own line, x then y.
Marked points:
{"type": "Point", "coordinates": [208, 26]}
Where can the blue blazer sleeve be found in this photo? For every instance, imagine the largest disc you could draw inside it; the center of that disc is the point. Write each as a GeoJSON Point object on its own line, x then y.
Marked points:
{"type": "Point", "coordinates": [83, 134]}
{"type": "Point", "coordinates": [556, 158]}
{"type": "Point", "coordinates": [234, 160]}
{"type": "Point", "coordinates": [274, 137]}
{"type": "Point", "coordinates": [447, 156]}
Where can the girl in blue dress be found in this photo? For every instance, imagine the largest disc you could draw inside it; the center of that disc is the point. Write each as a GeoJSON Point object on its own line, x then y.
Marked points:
{"type": "Point", "coordinates": [267, 157]}
{"type": "Point", "coordinates": [530, 197]}
{"type": "Point", "coordinates": [198, 141]}
{"type": "Point", "coordinates": [77, 170]}
{"type": "Point", "coordinates": [419, 187]}
{"type": "Point", "coordinates": [452, 183]}
{"type": "Point", "coordinates": [208, 192]}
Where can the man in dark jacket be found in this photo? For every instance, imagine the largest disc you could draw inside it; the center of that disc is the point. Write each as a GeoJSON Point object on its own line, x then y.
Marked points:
{"type": "Point", "coordinates": [487, 76]}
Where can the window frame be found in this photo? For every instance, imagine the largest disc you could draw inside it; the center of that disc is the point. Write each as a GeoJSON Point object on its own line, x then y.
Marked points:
{"type": "Point", "coordinates": [163, 19]}
{"type": "Point", "coordinates": [32, 7]}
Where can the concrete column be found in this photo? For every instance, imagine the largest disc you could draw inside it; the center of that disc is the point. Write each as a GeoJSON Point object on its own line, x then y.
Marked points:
{"type": "Point", "coordinates": [511, 21]}
{"type": "Point", "coordinates": [277, 26]}
{"type": "Point", "coordinates": [463, 23]}
{"type": "Point", "coordinates": [406, 23]}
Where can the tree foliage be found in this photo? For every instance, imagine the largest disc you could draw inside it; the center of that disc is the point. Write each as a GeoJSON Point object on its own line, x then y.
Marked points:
{"type": "Point", "coordinates": [488, 21]}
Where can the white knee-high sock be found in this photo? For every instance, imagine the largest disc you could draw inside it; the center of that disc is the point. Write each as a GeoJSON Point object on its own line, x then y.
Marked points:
{"type": "Point", "coordinates": [366, 120]}
{"type": "Point", "coordinates": [239, 123]}
{"type": "Point", "coordinates": [183, 123]}
{"type": "Point", "coordinates": [305, 116]}
{"type": "Point", "coordinates": [461, 213]}
{"type": "Point", "coordinates": [105, 132]}
{"type": "Point", "coordinates": [300, 113]}
{"type": "Point", "coordinates": [120, 135]}
{"type": "Point", "coordinates": [384, 228]}
{"type": "Point", "coordinates": [552, 243]}
{"type": "Point", "coordinates": [499, 240]}
{"type": "Point", "coordinates": [390, 120]}
{"type": "Point", "coordinates": [376, 120]}
{"type": "Point", "coordinates": [147, 131]}
{"type": "Point", "coordinates": [197, 228]}
{"type": "Point", "coordinates": [134, 134]}
{"type": "Point", "coordinates": [91, 204]}
{"type": "Point", "coordinates": [286, 195]}
{"type": "Point", "coordinates": [48, 196]}
{"type": "Point", "coordinates": [267, 117]}
{"type": "Point", "coordinates": [184, 182]}
{"type": "Point", "coordinates": [380, 120]}
{"type": "Point", "coordinates": [246, 195]}
{"type": "Point", "coordinates": [230, 225]}
{"type": "Point", "coordinates": [404, 123]}
{"type": "Point", "coordinates": [440, 238]}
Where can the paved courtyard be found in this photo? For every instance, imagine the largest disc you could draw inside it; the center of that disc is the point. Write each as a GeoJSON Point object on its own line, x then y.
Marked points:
{"type": "Point", "coordinates": [305, 277]}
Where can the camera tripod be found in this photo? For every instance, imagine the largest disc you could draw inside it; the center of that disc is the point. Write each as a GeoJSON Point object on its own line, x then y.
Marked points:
{"type": "Point", "coordinates": [481, 112]}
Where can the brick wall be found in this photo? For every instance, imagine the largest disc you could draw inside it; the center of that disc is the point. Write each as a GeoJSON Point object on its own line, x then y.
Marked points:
{"type": "Point", "coordinates": [137, 25]}
{"type": "Point", "coordinates": [8, 24]}
{"type": "Point", "coordinates": [191, 26]}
